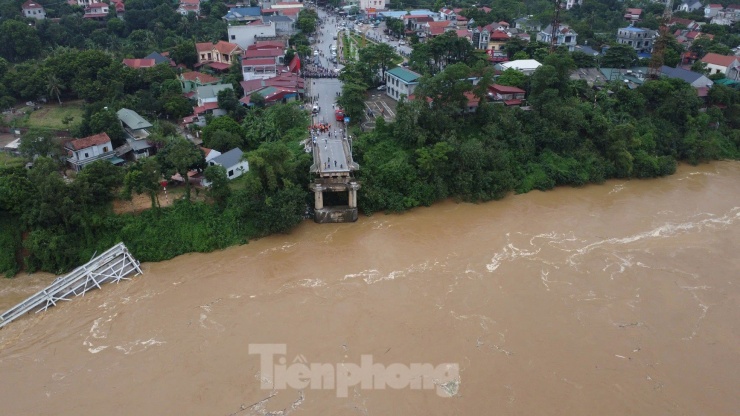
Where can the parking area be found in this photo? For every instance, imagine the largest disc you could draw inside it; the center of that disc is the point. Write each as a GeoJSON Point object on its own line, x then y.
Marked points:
{"type": "Point", "coordinates": [377, 105]}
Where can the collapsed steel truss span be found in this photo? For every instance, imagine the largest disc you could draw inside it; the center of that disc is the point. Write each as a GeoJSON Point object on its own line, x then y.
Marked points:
{"type": "Point", "coordinates": [114, 265]}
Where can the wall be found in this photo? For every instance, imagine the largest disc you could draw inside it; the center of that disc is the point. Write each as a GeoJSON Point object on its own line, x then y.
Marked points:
{"type": "Point", "coordinates": [244, 36]}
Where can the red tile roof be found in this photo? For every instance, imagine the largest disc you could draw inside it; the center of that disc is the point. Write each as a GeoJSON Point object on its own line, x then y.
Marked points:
{"type": "Point", "coordinates": [505, 89]}
{"type": "Point", "coordinates": [267, 44]}
{"type": "Point", "coordinates": [226, 48]}
{"type": "Point", "coordinates": [499, 35]}
{"type": "Point", "coordinates": [204, 78]}
{"type": "Point", "coordinates": [220, 66]}
{"type": "Point", "coordinates": [263, 53]}
{"type": "Point", "coordinates": [258, 61]}
{"type": "Point", "coordinates": [205, 107]}
{"type": "Point", "coordinates": [719, 60]}
{"type": "Point", "coordinates": [139, 63]}
{"type": "Point", "coordinates": [29, 5]}
{"type": "Point", "coordinates": [291, 12]}
{"type": "Point", "coordinates": [513, 102]}
{"type": "Point", "coordinates": [204, 47]}
{"type": "Point", "coordinates": [85, 142]}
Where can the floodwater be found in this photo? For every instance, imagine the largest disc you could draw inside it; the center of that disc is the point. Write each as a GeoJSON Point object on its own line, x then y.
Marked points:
{"type": "Point", "coordinates": [605, 300]}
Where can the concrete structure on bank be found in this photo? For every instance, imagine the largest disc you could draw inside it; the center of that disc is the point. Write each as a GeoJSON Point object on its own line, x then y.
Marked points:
{"type": "Point", "coordinates": [334, 167]}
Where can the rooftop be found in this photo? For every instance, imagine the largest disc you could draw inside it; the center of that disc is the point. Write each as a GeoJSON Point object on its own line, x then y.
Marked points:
{"type": "Point", "coordinates": [230, 158]}
{"type": "Point", "coordinates": [132, 119]}
{"type": "Point", "coordinates": [85, 142]}
{"type": "Point", "coordinates": [406, 75]}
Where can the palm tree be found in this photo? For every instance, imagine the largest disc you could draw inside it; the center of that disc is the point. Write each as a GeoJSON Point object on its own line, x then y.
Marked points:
{"type": "Point", "coordinates": [55, 86]}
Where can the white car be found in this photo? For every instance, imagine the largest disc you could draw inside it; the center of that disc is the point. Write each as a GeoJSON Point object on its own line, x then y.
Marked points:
{"type": "Point", "coordinates": [315, 109]}
{"type": "Point", "coordinates": [381, 88]}
{"type": "Point", "coordinates": [402, 42]}
{"type": "Point", "coordinates": [315, 53]}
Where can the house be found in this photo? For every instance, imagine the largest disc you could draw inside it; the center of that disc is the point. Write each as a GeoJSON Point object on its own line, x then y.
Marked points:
{"type": "Point", "coordinates": [711, 10]}
{"type": "Point", "coordinates": [189, 6]}
{"type": "Point", "coordinates": [33, 10]}
{"type": "Point", "coordinates": [696, 79]}
{"type": "Point", "coordinates": [232, 161]}
{"type": "Point", "coordinates": [284, 25]}
{"type": "Point", "coordinates": [641, 40]}
{"type": "Point", "coordinates": [84, 151]}
{"type": "Point", "coordinates": [119, 7]}
{"type": "Point", "coordinates": [727, 17]}
{"type": "Point", "coordinates": [287, 5]}
{"type": "Point", "coordinates": [372, 5]}
{"type": "Point", "coordinates": [160, 59]}
{"type": "Point", "coordinates": [237, 15]}
{"type": "Point", "coordinates": [139, 63]}
{"type": "Point", "coordinates": [273, 95]}
{"type": "Point", "coordinates": [96, 11]}
{"type": "Point", "coordinates": [263, 68]}
{"type": "Point", "coordinates": [193, 79]}
{"type": "Point", "coordinates": [497, 40]}
{"type": "Point", "coordinates": [526, 66]}
{"type": "Point", "coordinates": [564, 36]}
{"type": "Point", "coordinates": [286, 80]}
{"type": "Point", "coordinates": [527, 24]}
{"type": "Point", "coordinates": [505, 94]}
{"type": "Point", "coordinates": [206, 94]}
{"type": "Point", "coordinates": [632, 14]}
{"type": "Point", "coordinates": [276, 53]}
{"type": "Point", "coordinates": [447, 14]}
{"type": "Point", "coordinates": [400, 81]}
{"type": "Point", "coordinates": [218, 56]}
{"type": "Point", "coordinates": [569, 4]}
{"type": "Point", "coordinates": [209, 154]}
{"type": "Point", "coordinates": [721, 64]}
{"type": "Point", "coordinates": [246, 35]}
{"type": "Point", "coordinates": [480, 38]}
{"type": "Point", "coordinates": [432, 29]}
{"type": "Point", "coordinates": [689, 6]}
{"type": "Point", "coordinates": [136, 128]}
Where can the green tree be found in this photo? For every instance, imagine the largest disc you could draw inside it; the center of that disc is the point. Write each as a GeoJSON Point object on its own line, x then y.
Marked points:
{"type": "Point", "coordinates": [219, 189]}
{"type": "Point", "coordinates": [143, 177]}
{"type": "Point", "coordinates": [37, 142]}
{"type": "Point", "coordinates": [512, 78]}
{"type": "Point", "coordinates": [180, 156]}
{"type": "Point", "coordinates": [223, 123]}
{"type": "Point", "coordinates": [619, 56]}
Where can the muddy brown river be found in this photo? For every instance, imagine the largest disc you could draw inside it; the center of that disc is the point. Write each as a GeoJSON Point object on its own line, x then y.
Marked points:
{"type": "Point", "coordinates": [618, 299]}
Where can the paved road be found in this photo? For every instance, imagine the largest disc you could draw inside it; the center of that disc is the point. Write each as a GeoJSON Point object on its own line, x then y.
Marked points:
{"type": "Point", "coordinates": [329, 149]}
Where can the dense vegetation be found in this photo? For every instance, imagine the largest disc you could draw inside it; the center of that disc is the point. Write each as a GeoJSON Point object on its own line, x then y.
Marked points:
{"type": "Point", "coordinates": [435, 149]}
{"type": "Point", "coordinates": [571, 135]}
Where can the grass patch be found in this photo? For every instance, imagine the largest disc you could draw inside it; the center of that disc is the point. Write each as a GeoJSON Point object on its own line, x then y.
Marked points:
{"type": "Point", "coordinates": [9, 161]}
{"type": "Point", "coordinates": [50, 116]}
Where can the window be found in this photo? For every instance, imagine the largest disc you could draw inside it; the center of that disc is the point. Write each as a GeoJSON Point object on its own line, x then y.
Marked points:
{"type": "Point", "coordinates": [86, 155]}
{"type": "Point", "coordinates": [105, 148]}
{"type": "Point", "coordinates": [231, 173]}
{"type": "Point", "coordinates": [233, 37]}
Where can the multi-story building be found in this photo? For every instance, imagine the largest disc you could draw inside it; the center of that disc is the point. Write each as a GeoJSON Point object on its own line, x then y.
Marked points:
{"type": "Point", "coordinates": [641, 40]}
{"type": "Point", "coordinates": [564, 36]}
{"type": "Point", "coordinates": [400, 82]}
{"type": "Point", "coordinates": [33, 10]}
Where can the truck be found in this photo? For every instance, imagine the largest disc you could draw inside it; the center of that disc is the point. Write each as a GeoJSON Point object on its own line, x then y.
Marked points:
{"type": "Point", "coordinates": [339, 114]}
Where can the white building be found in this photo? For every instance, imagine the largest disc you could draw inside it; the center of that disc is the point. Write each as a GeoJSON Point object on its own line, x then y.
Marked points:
{"type": "Point", "coordinates": [33, 10]}
{"type": "Point", "coordinates": [400, 81]}
{"type": "Point", "coordinates": [246, 35]}
{"type": "Point", "coordinates": [84, 151]}
{"type": "Point", "coordinates": [232, 161]}
{"type": "Point", "coordinates": [569, 4]}
{"type": "Point", "coordinates": [564, 36]}
{"type": "Point", "coordinates": [527, 66]}
{"type": "Point", "coordinates": [372, 4]}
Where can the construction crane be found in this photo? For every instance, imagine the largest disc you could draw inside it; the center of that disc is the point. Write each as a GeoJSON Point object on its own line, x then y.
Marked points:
{"type": "Point", "coordinates": [657, 60]}
{"type": "Point", "coordinates": [555, 27]}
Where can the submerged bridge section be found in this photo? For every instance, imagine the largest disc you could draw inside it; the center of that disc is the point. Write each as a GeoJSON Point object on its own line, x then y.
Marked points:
{"type": "Point", "coordinates": [334, 167]}
{"type": "Point", "coordinates": [112, 266]}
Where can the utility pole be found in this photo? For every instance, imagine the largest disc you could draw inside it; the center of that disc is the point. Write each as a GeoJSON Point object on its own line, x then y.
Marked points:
{"type": "Point", "coordinates": [657, 59]}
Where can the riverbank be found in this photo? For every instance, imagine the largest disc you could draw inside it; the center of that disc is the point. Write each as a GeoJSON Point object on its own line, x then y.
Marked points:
{"type": "Point", "coordinates": [596, 300]}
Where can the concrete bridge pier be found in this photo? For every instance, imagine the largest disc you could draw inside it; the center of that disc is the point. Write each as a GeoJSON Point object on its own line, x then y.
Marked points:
{"type": "Point", "coordinates": [318, 193]}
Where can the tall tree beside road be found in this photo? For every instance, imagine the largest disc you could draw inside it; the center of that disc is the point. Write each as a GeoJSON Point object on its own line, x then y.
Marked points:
{"type": "Point", "coordinates": [378, 57]}
{"type": "Point", "coordinates": [307, 20]}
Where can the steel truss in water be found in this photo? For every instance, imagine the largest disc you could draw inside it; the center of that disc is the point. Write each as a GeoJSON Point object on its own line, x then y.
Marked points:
{"type": "Point", "coordinates": [114, 265]}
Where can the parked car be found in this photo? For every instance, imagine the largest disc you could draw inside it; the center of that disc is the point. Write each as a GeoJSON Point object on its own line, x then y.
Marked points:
{"type": "Point", "coordinates": [381, 88]}
{"type": "Point", "coordinates": [315, 109]}
{"type": "Point", "coordinates": [405, 64]}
